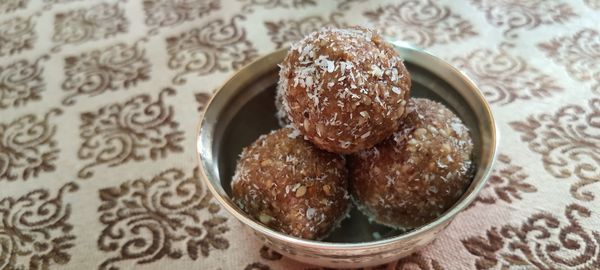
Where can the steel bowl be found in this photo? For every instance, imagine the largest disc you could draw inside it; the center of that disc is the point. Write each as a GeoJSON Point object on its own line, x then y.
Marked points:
{"type": "Point", "coordinates": [243, 109]}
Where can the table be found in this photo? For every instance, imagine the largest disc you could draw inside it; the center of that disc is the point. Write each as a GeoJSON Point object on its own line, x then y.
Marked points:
{"type": "Point", "coordinates": [99, 102]}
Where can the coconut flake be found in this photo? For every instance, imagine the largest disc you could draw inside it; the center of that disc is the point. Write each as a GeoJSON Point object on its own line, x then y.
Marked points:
{"type": "Point", "coordinates": [378, 100]}
{"type": "Point", "coordinates": [330, 66]}
{"type": "Point", "coordinates": [294, 134]}
{"type": "Point", "coordinates": [394, 74]}
{"type": "Point", "coordinates": [309, 81]}
{"type": "Point", "coordinates": [376, 71]}
{"type": "Point", "coordinates": [458, 128]}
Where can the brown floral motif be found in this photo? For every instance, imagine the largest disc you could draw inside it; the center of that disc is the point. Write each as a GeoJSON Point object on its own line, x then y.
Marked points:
{"type": "Point", "coordinates": [16, 35]}
{"type": "Point", "coordinates": [507, 183]}
{"type": "Point", "coordinates": [345, 4]}
{"type": "Point", "coordinates": [27, 146]}
{"type": "Point", "coordinates": [286, 31]}
{"type": "Point", "coordinates": [504, 78]}
{"type": "Point", "coordinates": [202, 99]}
{"type": "Point", "coordinates": [215, 46]}
{"type": "Point", "coordinates": [579, 54]}
{"type": "Point", "coordinates": [34, 232]}
{"type": "Point", "coordinates": [593, 4]}
{"type": "Point", "coordinates": [119, 66]}
{"type": "Point", "coordinates": [513, 15]}
{"type": "Point", "coordinates": [249, 5]}
{"type": "Point", "coordinates": [542, 242]}
{"type": "Point", "coordinates": [170, 215]}
{"type": "Point", "coordinates": [135, 130]}
{"type": "Point", "coordinates": [7, 6]}
{"type": "Point", "coordinates": [172, 12]}
{"type": "Point", "coordinates": [96, 22]}
{"type": "Point", "coordinates": [418, 262]}
{"type": "Point", "coordinates": [257, 266]}
{"type": "Point", "coordinates": [269, 254]}
{"type": "Point", "coordinates": [568, 142]}
{"type": "Point", "coordinates": [21, 82]}
{"type": "Point", "coordinates": [49, 5]}
{"type": "Point", "coordinates": [424, 23]}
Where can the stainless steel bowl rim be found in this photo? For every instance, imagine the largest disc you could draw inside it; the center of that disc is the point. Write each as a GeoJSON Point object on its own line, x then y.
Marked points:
{"type": "Point", "coordinates": [238, 213]}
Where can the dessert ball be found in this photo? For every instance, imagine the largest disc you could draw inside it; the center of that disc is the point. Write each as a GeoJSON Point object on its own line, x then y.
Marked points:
{"type": "Point", "coordinates": [419, 172]}
{"type": "Point", "coordinates": [344, 89]}
{"type": "Point", "coordinates": [289, 185]}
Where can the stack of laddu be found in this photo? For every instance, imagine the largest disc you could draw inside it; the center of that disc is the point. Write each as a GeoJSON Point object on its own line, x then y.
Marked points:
{"type": "Point", "coordinates": [351, 130]}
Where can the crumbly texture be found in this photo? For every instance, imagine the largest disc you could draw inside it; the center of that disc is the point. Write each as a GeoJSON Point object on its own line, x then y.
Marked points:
{"type": "Point", "coordinates": [417, 174]}
{"type": "Point", "coordinates": [344, 89]}
{"type": "Point", "coordinates": [289, 185]}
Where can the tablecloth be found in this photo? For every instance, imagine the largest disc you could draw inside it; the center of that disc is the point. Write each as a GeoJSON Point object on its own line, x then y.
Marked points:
{"type": "Point", "coordinates": [99, 102]}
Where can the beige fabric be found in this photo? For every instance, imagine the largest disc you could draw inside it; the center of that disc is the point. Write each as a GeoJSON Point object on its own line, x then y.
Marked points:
{"type": "Point", "coordinates": [99, 102]}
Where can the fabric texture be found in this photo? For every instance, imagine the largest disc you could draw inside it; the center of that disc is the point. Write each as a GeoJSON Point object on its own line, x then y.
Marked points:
{"type": "Point", "coordinates": [99, 102]}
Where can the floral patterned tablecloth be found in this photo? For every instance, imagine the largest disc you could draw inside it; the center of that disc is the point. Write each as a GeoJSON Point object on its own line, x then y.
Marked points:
{"type": "Point", "coordinates": [99, 102]}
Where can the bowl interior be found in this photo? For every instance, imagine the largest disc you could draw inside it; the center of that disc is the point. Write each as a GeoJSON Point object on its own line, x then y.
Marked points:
{"type": "Point", "coordinates": [250, 112]}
